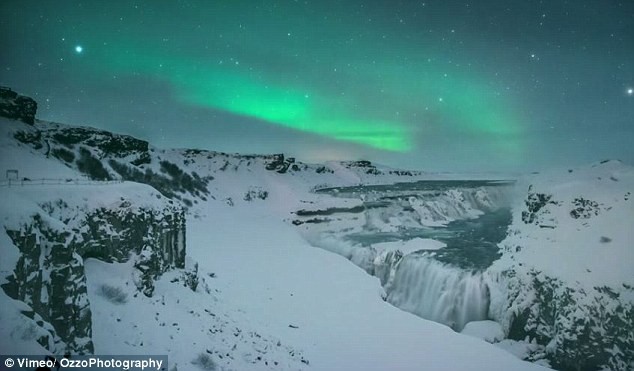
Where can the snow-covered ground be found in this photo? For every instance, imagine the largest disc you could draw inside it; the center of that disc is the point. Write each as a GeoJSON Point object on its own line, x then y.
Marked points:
{"type": "Point", "coordinates": [566, 277]}
{"type": "Point", "coordinates": [592, 246]}
{"type": "Point", "coordinates": [271, 275]}
{"type": "Point", "coordinates": [266, 298]}
{"type": "Point", "coordinates": [272, 296]}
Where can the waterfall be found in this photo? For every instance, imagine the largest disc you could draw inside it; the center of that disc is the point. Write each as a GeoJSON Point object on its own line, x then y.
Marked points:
{"type": "Point", "coordinates": [437, 292]}
{"type": "Point", "coordinates": [417, 282]}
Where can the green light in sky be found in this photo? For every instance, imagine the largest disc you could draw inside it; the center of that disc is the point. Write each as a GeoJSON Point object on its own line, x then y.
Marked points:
{"type": "Point", "coordinates": [382, 103]}
{"type": "Point", "coordinates": [389, 87]}
{"type": "Point", "coordinates": [219, 87]}
{"type": "Point", "coordinates": [288, 107]}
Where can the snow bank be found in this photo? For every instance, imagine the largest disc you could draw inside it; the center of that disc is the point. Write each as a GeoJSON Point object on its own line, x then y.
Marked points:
{"type": "Point", "coordinates": [489, 331]}
{"type": "Point", "coordinates": [594, 243]}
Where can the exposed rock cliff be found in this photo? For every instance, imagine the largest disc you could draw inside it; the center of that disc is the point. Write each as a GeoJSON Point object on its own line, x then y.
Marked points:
{"type": "Point", "coordinates": [49, 275]}
{"type": "Point", "coordinates": [17, 107]}
{"type": "Point", "coordinates": [566, 270]}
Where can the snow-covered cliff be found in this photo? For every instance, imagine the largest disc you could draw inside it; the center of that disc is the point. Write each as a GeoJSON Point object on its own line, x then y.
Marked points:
{"type": "Point", "coordinates": [107, 215]}
{"type": "Point", "coordinates": [566, 275]}
{"type": "Point", "coordinates": [52, 235]}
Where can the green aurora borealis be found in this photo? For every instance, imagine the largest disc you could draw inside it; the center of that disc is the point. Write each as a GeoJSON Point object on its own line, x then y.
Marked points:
{"type": "Point", "coordinates": [381, 102]}
{"type": "Point", "coordinates": [458, 82]}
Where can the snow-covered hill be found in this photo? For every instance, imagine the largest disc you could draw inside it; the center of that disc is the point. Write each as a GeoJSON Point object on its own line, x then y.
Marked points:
{"type": "Point", "coordinates": [251, 292]}
{"type": "Point", "coordinates": [567, 269]}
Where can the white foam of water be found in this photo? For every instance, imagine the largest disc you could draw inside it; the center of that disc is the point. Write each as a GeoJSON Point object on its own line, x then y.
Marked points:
{"type": "Point", "coordinates": [438, 292]}
{"type": "Point", "coordinates": [415, 283]}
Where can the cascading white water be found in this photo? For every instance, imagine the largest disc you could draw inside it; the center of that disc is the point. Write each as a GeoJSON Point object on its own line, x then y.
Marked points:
{"type": "Point", "coordinates": [418, 283]}
{"type": "Point", "coordinates": [437, 292]}
{"type": "Point", "coordinates": [457, 204]}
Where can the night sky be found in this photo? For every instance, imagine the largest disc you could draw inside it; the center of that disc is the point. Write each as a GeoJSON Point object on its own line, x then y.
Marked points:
{"type": "Point", "coordinates": [433, 85]}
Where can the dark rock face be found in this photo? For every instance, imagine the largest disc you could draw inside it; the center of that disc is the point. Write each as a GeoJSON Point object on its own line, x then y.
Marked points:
{"type": "Point", "coordinates": [366, 165]}
{"type": "Point", "coordinates": [50, 276]}
{"type": "Point", "coordinates": [113, 145]}
{"type": "Point", "coordinates": [323, 169]}
{"type": "Point", "coordinates": [173, 182]}
{"type": "Point", "coordinates": [402, 172]}
{"type": "Point", "coordinates": [536, 207]}
{"type": "Point", "coordinates": [55, 286]}
{"type": "Point", "coordinates": [17, 107]}
{"type": "Point", "coordinates": [276, 162]}
{"type": "Point", "coordinates": [361, 163]}
{"type": "Point", "coordinates": [578, 327]}
{"type": "Point", "coordinates": [88, 164]}
{"type": "Point", "coordinates": [578, 334]}
{"type": "Point", "coordinates": [281, 165]}
{"type": "Point", "coordinates": [584, 208]}
{"type": "Point", "coordinates": [102, 155]}
{"type": "Point", "coordinates": [255, 193]}
{"type": "Point", "coordinates": [103, 143]}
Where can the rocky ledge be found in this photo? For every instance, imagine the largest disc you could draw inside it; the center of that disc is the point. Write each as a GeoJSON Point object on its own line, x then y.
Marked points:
{"type": "Point", "coordinates": [49, 275]}
{"type": "Point", "coordinates": [17, 107]}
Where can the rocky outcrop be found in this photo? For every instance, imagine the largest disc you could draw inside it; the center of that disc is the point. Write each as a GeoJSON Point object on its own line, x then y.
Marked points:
{"type": "Point", "coordinates": [365, 165]}
{"type": "Point", "coordinates": [115, 145]}
{"type": "Point", "coordinates": [104, 144]}
{"type": "Point", "coordinates": [281, 165]}
{"type": "Point", "coordinates": [584, 209]}
{"type": "Point", "coordinates": [172, 182]}
{"type": "Point", "coordinates": [50, 277]}
{"type": "Point", "coordinates": [17, 107]}
{"type": "Point", "coordinates": [580, 330]}
{"type": "Point", "coordinates": [564, 277]}
{"type": "Point", "coordinates": [102, 155]}
{"type": "Point", "coordinates": [536, 211]}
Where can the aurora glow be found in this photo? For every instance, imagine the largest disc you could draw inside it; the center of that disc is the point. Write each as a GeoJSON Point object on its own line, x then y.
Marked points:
{"type": "Point", "coordinates": [282, 105]}
{"type": "Point", "coordinates": [307, 104]}
{"type": "Point", "coordinates": [409, 84]}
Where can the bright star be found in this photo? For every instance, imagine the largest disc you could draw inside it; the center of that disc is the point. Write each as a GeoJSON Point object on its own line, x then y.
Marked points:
{"type": "Point", "coordinates": [630, 91]}
{"type": "Point", "coordinates": [79, 49]}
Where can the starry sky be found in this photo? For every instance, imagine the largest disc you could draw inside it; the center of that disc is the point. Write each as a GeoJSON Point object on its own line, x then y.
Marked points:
{"type": "Point", "coordinates": [487, 85]}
